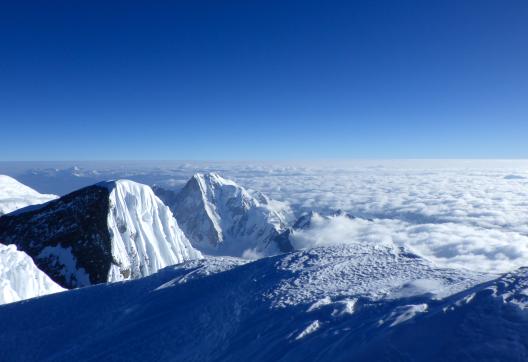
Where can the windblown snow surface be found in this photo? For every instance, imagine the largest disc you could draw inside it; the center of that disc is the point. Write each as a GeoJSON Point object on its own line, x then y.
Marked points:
{"type": "Point", "coordinates": [20, 278]}
{"type": "Point", "coordinates": [358, 302]}
{"type": "Point", "coordinates": [14, 195]}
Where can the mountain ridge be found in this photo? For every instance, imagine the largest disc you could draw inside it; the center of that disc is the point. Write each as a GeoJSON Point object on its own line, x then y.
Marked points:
{"type": "Point", "coordinates": [15, 195]}
{"type": "Point", "coordinates": [222, 218]}
{"type": "Point", "coordinates": [114, 230]}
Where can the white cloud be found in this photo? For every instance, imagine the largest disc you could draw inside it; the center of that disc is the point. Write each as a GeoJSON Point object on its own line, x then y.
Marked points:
{"type": "Point", "coordinates": [461, 213]}
{"type": "Point", "coordinates": [252, 254]}
{"type": "Point", "coordinates": [448, 244]}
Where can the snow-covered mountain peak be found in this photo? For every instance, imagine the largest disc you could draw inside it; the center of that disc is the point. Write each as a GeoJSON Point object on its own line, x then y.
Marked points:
{"type": "Point", "coordinates": [114, 230]}
{"type": "Point", "coordinates": [15, 195]}
{"type": "Point", "coordinates": [213, 178]}
{"type": "Point", "coordinates": [20, 278]}
{"type": "Point", "coordinates": [221, 217]}
{"type": "Point", "coordinates": [214, 188]}
{"type": "Point", "coordinates": [146, 237]}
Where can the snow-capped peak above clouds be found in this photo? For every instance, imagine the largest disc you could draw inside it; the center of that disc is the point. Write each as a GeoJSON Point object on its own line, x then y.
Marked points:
{"type": "Point", "coordinates": [20, 278]}
{"type": "Point", "coordinates": [110, 231]}
{"type": "Point", "coordinates": [220, 217]}
{"type": "Point", "coordinates": [15, 195]}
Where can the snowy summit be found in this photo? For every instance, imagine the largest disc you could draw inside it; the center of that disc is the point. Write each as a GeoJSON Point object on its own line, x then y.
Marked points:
{"type": "Point", "coordinates": [222, 218]}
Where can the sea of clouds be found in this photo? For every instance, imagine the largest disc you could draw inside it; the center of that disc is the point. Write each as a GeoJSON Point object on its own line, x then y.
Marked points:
{"type": "Point", "coordinates": [470, 214]}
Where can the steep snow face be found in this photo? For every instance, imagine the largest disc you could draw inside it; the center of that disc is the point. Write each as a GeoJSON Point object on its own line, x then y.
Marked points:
{"type": "Point", "coordinates": [222, 218]}
{"type": "Point", "coordinates": [349, 302]}
{"type": "Point", "coordinates": [20, 278]}
{"type": "Point", "coordinates": [145, 235]}
{"type": "Point", "coordinates": [111, 231]}
{"type": "Point", "coordinates": [14, 195]}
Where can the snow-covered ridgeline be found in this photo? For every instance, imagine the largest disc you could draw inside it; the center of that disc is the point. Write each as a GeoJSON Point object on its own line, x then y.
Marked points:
{"type": "Point", "coordinates": [353, 302]}
{"type": "Point", "coordinates": [221, 217]}
{"type": "Point", "coordinates": [14, 195]}
{"type": "Point", "coordinates": [20, 278]}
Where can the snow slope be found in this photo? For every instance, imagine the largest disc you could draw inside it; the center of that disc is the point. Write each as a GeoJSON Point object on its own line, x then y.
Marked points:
{"type": "Point", "coordinates": [222, 218]}
{"type": "Point", "coordinates": [358, 302]}
{"type": "Point", "coordinates": [146, 237]}
{"type": "Point", "coordinates": [14, 195]}
{"type": "Point", "coordinates": [20, 278]}
{"type": "Point", "coordinates": [111, 231]}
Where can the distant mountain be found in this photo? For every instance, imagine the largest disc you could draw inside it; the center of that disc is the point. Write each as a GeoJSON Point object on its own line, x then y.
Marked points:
{"type": "Point", "coordinates": [222, 218]}
{"type": "Point", "coordinates": [305, 222]}
{"type": "Point", "coordinates": [110, 231]}
{"type": "Point", "coordinates": [14, 195]}
{"type": "Point", "coordinates": [20, 278]}
{"type": "Point", "coordinates": [359, 302]}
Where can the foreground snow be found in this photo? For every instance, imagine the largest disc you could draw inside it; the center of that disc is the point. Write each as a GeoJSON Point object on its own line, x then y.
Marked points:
{"type": "Point", "coordinates": [20, 278]}
{"type": "Point", "coordinates": [356, 302]}
{"type": "Point", "coordinates": [14, 195]}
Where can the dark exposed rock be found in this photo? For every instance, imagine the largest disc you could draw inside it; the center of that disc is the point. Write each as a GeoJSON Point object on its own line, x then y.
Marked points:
{"type": "Point", "coordinates": [283, 241]}
{"type": "Point", "coordinates": [76, 222]}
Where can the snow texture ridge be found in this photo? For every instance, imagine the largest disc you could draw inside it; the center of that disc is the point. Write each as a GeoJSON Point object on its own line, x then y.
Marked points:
{"type": "Point", "coordinates": [20, 278]}
{"type": "Point", "coordinates": [145, 236]}
{"type": "Point", "coordinates": [14, 195]}
{"type": "Point", "coordinates": [349, 302]}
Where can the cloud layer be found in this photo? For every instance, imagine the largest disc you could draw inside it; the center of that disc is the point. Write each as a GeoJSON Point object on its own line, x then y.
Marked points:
{"type": "Point", "coordinates": [464, 213]}
{"type": "Point", "coordinates": [446, 244]}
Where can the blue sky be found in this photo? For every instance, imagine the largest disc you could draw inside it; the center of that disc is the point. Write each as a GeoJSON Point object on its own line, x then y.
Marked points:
{"type": "Point", "coordinates": [263, 80]}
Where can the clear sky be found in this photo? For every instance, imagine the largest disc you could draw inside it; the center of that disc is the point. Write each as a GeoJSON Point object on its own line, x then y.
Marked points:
{"type": "Point", "coordinates": [263, 79]}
